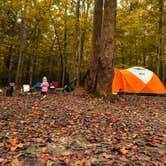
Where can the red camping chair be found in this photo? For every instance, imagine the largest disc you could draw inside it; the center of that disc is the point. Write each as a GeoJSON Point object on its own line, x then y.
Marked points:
{"type": "Point", "coordinates": [53, 86]}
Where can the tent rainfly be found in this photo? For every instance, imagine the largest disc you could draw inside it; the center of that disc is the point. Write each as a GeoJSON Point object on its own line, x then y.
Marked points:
{"type": "Point", "coordinates": [137, 80]}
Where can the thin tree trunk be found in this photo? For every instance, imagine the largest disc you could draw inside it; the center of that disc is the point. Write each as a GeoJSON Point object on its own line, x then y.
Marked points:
{"type": "Point", "coordinates": [107, 54]}
{"type": "Point", "coordinates": [81, 51]}
{"type": "Point", "coordinates": [61, 56]}
{"type": "Point", "coordinates": [34, 42]}
{"type": "Point", "coordinates": [143, 51]}
{"type": "Point", "coordinates": [21, 54]}
{"type": "Point", "coordinates": [164, 55]}
{"type": "Point", "coordinates": [82, 38]}
{"type": "Point", "coordinates": [65, 43]}
{"type": "Point", "coordinates": [135, 52]}
{"type": "Point", "coordinates": [31, 69]}
{"type": "Point", "coordinates": [32, 62]}
{"type": "Point", "coordinates": [50, 57]}
{"type": "Point", "coordinates": [160, 46]}
{"type": "Point", "coordinates": [8, 63]}
{"type": "Point", "coordinates": [75, 66]}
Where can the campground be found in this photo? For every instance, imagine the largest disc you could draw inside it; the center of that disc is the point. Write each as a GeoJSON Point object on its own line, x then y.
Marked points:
{"type": "Point", "coordinates": [82, 130]}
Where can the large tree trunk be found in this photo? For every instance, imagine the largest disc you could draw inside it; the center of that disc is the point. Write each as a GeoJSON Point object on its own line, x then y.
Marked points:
{"type": "Point", "coordinates": [107, 54]}
{"type": "Point", "coordinates": [91, 78]}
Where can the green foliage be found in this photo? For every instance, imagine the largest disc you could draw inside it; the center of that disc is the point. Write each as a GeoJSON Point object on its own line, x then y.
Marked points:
{"type": "Point", "coordinates": [49, 36]}
{"type": "Point", "coordinates": [137, 33]}
{"type": "Point", "coordinates": [45, 22]}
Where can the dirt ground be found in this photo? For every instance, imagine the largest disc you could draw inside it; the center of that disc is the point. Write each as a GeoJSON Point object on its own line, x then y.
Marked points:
{"type": "Point", "coordinates": [81, 130]}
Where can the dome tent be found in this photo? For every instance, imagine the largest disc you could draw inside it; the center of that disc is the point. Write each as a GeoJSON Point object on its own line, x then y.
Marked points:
{"type": "Point", "coordinates": [137, 80]}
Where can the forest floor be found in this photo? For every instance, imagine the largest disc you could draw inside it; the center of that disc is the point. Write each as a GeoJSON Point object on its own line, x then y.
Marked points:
{"type": "Point", "coordinates": [82, 130]}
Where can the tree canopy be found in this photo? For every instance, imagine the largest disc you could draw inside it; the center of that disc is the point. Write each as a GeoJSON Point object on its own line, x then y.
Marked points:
{"type": "Point", "coordinates": [42, 33]}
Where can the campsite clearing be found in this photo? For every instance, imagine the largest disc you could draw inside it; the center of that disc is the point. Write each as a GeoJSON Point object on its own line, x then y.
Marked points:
{"type": "Point", "coordinates": [82, 130]}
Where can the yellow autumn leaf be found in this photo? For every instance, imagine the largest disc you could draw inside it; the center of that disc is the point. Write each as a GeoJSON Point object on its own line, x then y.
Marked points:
{"type": "Point", "coordinates": [66, 153]}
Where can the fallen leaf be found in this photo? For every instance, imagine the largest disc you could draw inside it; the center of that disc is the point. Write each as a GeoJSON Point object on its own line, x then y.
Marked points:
{"type": "Point", "coordinates": [16, 162]}
{"type": "Point", "coordinates": [6, 161]}
{"type": "Point", "coordinates": [13, 141]}
{"type": "Point", "coordinates": [80, 162]}
{"type": "Point", "coordinates": [134, 147]}
{"type": "Point", "coordinates": [20, 145]}
{"type": "Point", "coordinates": [55, 158]}
{"type": "Point", "coordinates": [38, 140]}
{"type": "Point", "coordinates": [66, 153]}
{"type": "Point", "coordinates": [1, 160]}
{"type": "Point", "coordinates": [13, 148]}
{"type": "Point", "coordinates": [88, 151]}
{"type": "Point", "coordinates": [1, 145]}
{"type": "Point", "coordinates": [163, 160]}
{"type": "Point", "coordinates": [44, 159]}
{"type": "Point", "coordinates": [67, 161]}
{"type": "Point", "coordinates": [123, 151]}
{"type": "Point", "coordinates": [45, 150]}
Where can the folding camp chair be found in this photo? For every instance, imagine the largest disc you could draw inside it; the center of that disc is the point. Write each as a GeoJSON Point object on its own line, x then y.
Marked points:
{"type": "Point", "coordinates": [1, 92]}
{"type": "Point", "coordinates": [53, 86]}
{"type": "Point", "coordinates": [26, 89]}
{"type": "Point", "coordinates": [68, 87]}
{"type": "Point", "coordinates": [37, 86]}
{"type": "Point", "coordinates": [10, 89]}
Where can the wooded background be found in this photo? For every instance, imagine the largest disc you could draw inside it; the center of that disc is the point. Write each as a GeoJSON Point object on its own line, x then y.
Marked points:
{"type": "Point", "coordinates": [54, 38]}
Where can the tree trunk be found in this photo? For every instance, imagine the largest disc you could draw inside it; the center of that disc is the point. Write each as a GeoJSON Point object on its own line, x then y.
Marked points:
{"type": "Point", "coordinates": [107, 54]}
{"type": "Point", "coordinates": [32, 64]}
{"type": "Point", "coordinates": [75, 66]}
{"type": "Point", "coordinates": [31, 68]}
{"type": "Point", "coordinates": [91, 78]}
{"type": "Point", "coordinates": [81, 52]}
{"type": "Point", "coordinates": [164, 53]}
{"type": "Point", "coordinates": [7, 62]}
{"type": "Point", "coordinates": [61, 56]}
{"type": "Point", "coordinates": [65, 43]}
{"type": "Point", "coordinates": [160, 46]}
{"type": "Point", "coordinates": [83, 34]}
{"type": "Point", "coordinates": [21, 54]}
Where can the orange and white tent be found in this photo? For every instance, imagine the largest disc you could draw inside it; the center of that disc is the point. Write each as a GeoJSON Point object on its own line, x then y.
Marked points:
{"type": "Point", "coordinates": [137, 80]}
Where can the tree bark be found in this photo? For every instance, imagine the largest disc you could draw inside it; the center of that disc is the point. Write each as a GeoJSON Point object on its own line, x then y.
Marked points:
{"type": "Point", "coordinates": [91, 78]}
{"type": "Point", "coordinates": [7, 62]}
{"type": "Point", "coordinates": [85, 12]}
{"type": "Point", "coordinates": [160, 46]}
{"type": "Point", "coordinates": [21, 54]}
{"type": "Point", "coordinates": [75, 66]}
{"type": "Point", "coordinates": [107, 54]}
{"type": "Point", "coordinates": [65, 43]}
{"type": "Point", "coordinates": [61, 56]}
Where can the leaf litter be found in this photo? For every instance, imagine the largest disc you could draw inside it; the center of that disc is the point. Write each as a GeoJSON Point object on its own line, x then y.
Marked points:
{"type": "Point", "coordinates": [82, 130]}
